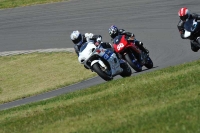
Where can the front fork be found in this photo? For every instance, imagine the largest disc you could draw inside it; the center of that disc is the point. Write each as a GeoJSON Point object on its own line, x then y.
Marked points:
{"type": "Point", "coordinates": [135, 60]}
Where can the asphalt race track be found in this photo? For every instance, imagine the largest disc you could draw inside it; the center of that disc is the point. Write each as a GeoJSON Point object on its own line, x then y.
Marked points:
{"type": "Point", "coordinates": [154, 22]}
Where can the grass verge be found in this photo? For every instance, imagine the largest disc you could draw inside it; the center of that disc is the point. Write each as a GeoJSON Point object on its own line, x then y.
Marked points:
{"type": "Point", "coordinates": [29, 74]}
{"type": "Point", "coordinates": [161, 101]}
{"type": "Point", "coordinates": [20, 3]}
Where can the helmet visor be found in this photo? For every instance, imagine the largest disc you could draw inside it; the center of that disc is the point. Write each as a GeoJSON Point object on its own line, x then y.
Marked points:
{"type": "Point", "coordinates": [184, 18]}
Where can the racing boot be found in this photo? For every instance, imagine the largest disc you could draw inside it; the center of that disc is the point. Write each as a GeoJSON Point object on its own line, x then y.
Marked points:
{"type": "Point", "coordinates": [140, 45]}
{"type": "Point", "coordinates": [146, 50]}
{"type": "Point", "coordinates": [143, 48]}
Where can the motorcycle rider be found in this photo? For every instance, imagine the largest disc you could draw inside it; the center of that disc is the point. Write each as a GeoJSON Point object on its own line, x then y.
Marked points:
{"type": "Point", "coordinates": [78, 39]}
{"type": "Point", "coordinates": [114, 32]}
{"type": "Point", "coordinates": [185, 16]}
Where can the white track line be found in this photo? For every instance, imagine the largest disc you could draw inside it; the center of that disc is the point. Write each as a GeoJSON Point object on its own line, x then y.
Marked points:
{"type": "Point", "coordinates": [8, 53]}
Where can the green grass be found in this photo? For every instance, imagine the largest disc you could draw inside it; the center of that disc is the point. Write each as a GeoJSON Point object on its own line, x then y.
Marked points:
{"type": "Point", "coordinates": [20, 3]}
{"type": "Point", "coordinates": [162, 101]}
{"type": "Point", "coordinates": [30, 74]}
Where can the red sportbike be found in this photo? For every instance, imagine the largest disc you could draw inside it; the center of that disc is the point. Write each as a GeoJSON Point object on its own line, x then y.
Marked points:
{"type": "Point", "coordinates": [126, 49]}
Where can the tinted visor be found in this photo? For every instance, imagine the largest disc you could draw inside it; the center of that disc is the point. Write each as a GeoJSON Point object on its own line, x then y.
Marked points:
{"type": "Point", "coordinates": [78, 40]}
{"type": "Point", "coordinates": [183, 18]}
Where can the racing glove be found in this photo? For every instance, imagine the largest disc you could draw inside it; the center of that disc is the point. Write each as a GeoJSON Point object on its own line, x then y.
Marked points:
{"type": "Point", "coordinates": [88, 36]}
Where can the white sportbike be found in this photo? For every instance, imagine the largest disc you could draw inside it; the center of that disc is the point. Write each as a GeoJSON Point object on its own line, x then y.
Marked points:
{"type": "Point", "coordinates": [102, 61]}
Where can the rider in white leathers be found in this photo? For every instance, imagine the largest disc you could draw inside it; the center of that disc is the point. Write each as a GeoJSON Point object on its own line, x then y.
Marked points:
{"type": "Point", "coordinates": [78, 39]}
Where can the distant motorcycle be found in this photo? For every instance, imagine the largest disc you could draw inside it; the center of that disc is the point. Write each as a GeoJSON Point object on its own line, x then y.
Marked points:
{"type": "Point", "coordinates": [127, 50]}
{"type": "Point", "coordinates": [103, 61]}
{"type": "Point", "coordinates": [192, 27]}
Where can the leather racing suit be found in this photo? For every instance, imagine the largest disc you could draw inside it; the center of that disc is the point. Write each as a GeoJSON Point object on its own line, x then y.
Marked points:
{"type": "Point", "coordinates": [194, 37]}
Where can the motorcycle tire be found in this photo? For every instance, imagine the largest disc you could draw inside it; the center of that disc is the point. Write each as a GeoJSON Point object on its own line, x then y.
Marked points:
{"type": "Point", "coordinates": [194, 48]}
{"type": "Point", "coordinates": [149, 63]}
{"type": "Point", "coordinates": [135, 65]}
{"type": "Point", "coordinates": [126, 70]}
{"type": "Point", "coordinates": [96, 67]}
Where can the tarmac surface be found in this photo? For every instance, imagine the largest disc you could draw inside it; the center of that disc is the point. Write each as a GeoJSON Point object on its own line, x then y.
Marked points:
{"type": "Point", "coordinates": [43, 28]}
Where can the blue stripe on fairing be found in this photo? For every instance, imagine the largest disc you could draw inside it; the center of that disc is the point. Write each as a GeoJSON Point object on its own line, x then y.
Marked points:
{"type": "Point", "coordinates": [107, 54]}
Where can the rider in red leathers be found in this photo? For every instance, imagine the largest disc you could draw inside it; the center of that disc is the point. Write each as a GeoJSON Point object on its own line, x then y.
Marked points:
{"type": "Point", "coordinates": [114, 31]}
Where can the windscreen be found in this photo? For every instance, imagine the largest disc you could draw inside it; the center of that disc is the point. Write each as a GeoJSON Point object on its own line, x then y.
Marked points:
{"type": "Point", "coordinates": [117, 39]}
{"type": "Point", "coordinates": [190, 25]}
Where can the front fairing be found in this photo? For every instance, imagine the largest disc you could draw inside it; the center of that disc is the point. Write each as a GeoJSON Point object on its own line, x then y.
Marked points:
{"type": "Point", "coordinates": [192, 27]}
{"type": "Point", "coordinates": [122, 44]}
{"type": "Point", "coordinates": [86, 51]}
{"type": "Point", "coordinates": [90, 53]}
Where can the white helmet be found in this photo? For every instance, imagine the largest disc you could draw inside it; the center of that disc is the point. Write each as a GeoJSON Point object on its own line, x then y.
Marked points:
{"type": "Point", "coordinates": [76, 37]}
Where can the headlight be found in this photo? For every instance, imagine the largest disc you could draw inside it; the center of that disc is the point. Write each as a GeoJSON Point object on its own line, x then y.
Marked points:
{"type": "Point", "coordinates": [82, 60]}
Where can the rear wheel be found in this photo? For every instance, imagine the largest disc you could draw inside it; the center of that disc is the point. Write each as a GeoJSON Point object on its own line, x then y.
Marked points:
{"type": "Point", "coordinates": [99, 70]}
{"type": "Point", "coordinates": [133, 62]}
{"type": "Point", "coordinates": [126, 70]}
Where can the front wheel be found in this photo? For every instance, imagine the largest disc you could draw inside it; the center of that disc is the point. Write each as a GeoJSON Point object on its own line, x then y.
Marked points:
{"type": "Point", "coordinates": [149, 63]}
{"type": "Point", "coordinates": [194, 48]}
{"type": "Point", "coordinates": [133, 62]}
{"type": "Point", "coordinates": [99, 70]}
